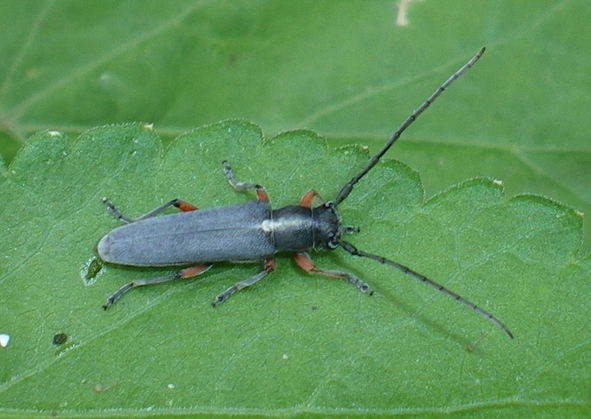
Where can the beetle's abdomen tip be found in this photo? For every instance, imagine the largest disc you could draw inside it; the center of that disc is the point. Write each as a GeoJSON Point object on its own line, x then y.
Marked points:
{"type": "Point", "coordinates": [103, 248]}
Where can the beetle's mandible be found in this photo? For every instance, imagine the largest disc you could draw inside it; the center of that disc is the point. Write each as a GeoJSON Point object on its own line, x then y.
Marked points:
{"type": "Point", "coordinates": [253, 232]}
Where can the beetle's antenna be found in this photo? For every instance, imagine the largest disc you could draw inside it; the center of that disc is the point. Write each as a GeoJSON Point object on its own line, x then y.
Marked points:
{"type": "Point", "coordinates": [344, 193]}
{"type": "Point", "coordinates": [355, 252]}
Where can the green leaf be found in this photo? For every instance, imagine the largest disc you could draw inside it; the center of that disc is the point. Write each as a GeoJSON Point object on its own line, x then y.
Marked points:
{"type": "Point", "coordinates": [294, 344]}
{"type": "Point", "coordinates": [347, 70]}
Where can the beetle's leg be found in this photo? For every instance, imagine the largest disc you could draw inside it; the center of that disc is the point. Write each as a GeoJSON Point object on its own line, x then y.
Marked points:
{"type": "Point", "coordinates": [243, 186]}
{"type": "Point", "coordinates": [181, 205]}
{"type": "Point", "coordinates": [186, 273]}
{"type": "Point", "coordinates": [269, 266]}
{"type": "Point", "coordinates": [303, 260]}
{"type": "Point", "coordinates": [308, 199]}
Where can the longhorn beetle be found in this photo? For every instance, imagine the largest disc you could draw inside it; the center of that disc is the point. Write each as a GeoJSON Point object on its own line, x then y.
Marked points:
{"type": "Point", "coordinates": [253, 232]}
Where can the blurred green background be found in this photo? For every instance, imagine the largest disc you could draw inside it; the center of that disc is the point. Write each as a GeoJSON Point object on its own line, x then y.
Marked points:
{"type": "Point", "coordinates": [351, 70]}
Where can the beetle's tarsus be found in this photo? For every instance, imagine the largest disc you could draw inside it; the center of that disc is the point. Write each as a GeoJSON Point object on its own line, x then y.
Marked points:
{"type": "Point", "coordinates": [222, 297]}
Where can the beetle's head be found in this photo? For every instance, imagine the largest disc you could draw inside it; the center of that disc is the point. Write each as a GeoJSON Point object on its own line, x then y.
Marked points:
{"type": "Point", "coordinates": [331, 229]}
